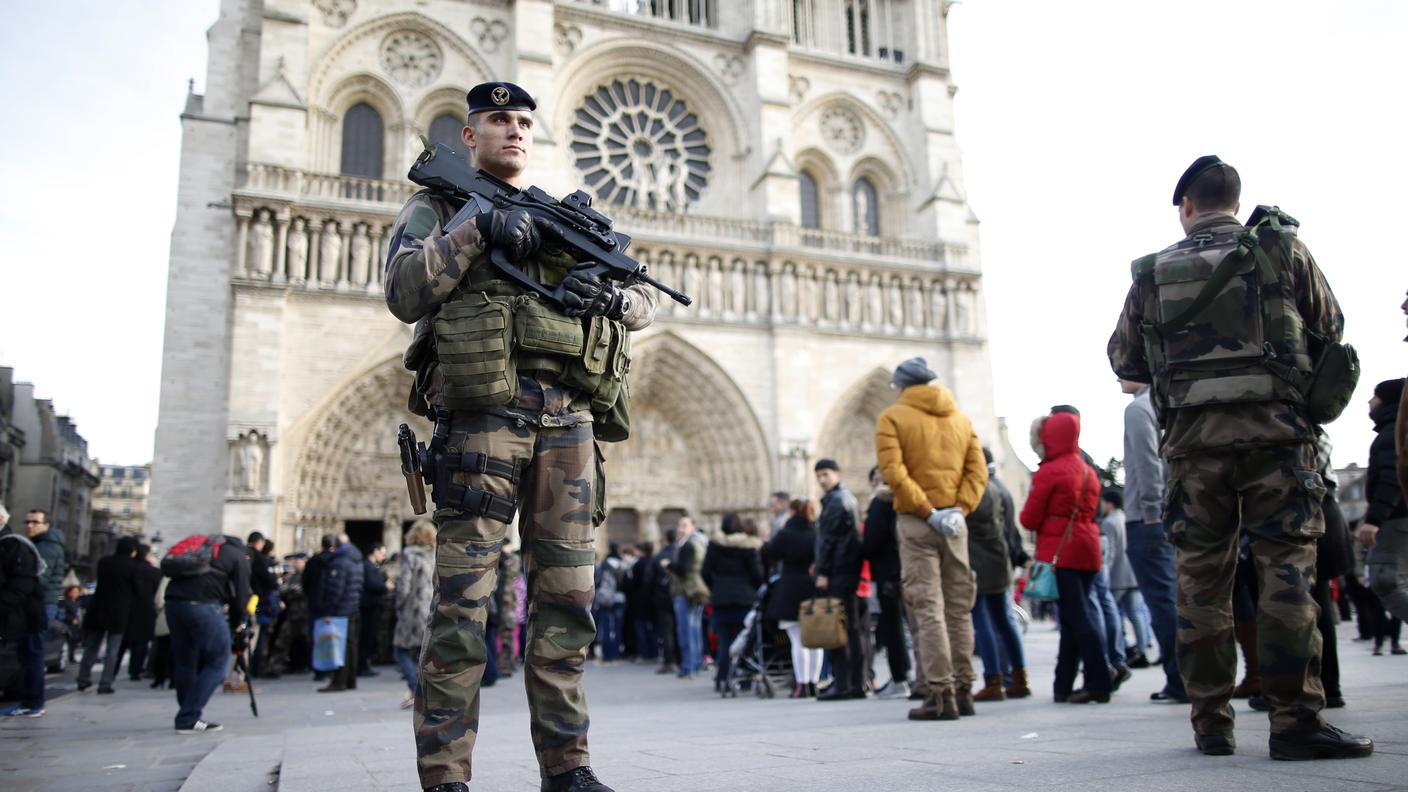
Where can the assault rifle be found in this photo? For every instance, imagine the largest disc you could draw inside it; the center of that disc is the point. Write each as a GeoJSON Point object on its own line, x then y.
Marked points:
{"type": "Point", "coordinates": [583, 232]}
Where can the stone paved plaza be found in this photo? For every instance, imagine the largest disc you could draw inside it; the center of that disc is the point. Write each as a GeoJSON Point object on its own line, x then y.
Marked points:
{"type": "Point", "coordinates": [653, 734]}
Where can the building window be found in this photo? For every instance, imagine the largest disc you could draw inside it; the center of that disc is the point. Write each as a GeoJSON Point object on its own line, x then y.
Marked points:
{"type": "Point", "coordinates": [866, 208]}
{"type": "Point", "coordinates": [445, 130]}
{"type": "Point", "coordinates": [363, 141]}
{"type": "Point", "coordinates": [811, 209]}
{"type": "Point", "coordinates": [858, 27]}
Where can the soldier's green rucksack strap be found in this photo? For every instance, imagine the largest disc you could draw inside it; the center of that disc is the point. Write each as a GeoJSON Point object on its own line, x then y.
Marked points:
{"type": "Point", "coordinates": [1221, 276]}
{"type": "Point", "coordinates": [1143, 267]}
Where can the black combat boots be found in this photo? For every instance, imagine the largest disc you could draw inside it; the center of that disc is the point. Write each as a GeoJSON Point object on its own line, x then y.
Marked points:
{"type": "Point", "coordinates": [453, 786]}
{"type": "Point", "coordinates": [1325, 742]}
{"type": "Point", "coordinates": [578, 779]}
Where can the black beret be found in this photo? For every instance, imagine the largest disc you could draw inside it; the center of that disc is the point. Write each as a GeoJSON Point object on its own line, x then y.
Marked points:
{"type": "Point", "coordinates": [1200, 166]}
{"type": "Point", "coordinates": [498, 96]}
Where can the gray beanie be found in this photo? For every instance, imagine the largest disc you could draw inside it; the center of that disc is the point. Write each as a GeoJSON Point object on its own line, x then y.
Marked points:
{"type": "Point", "coordinates": [914, 371]}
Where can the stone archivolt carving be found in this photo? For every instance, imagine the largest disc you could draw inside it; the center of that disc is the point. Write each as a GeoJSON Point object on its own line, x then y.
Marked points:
{"type": "Point", "coordinates": [842, 130]}
{"type": "Point", "coordinates": [411, 57]}
{"type": "Point", "coordinates": [566, 37]}
{"type": "Point", "coordinates": [638, 144]}
{"type": "Point", "coordinates": [489, 32]}
{"type": "Point", "coordinates": [335, 12]}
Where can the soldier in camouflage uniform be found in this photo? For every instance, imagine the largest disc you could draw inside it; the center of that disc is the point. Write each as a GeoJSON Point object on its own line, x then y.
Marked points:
{"type": "Point", "coordinates": [533, 452]}
{"type": "Point", "coordinates": [1224, 348]}
{"type": "Point", "coordinates": [290, 648]}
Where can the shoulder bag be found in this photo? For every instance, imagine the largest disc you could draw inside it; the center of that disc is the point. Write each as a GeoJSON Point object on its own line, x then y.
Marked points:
{"type": "Point", "coordinates": [1041, 583]}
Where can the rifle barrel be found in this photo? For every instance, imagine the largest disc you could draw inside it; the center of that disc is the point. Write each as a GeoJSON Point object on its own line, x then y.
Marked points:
{"type": "Point", "coordinates": [677, 296]}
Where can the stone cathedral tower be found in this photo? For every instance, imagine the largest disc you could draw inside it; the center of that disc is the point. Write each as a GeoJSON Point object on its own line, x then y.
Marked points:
{"type": "Point", "coordinates": [790, 163]}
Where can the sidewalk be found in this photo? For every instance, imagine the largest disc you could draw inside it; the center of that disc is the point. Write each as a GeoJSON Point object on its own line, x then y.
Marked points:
{"type": "Point", "coordinates": [652, 733]}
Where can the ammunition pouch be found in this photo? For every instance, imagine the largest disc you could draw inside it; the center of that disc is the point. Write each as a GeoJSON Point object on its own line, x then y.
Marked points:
{"type": "Point", "coordinates": [1334, 376]}
{"type": "Point", "coordinates": [474, 345]}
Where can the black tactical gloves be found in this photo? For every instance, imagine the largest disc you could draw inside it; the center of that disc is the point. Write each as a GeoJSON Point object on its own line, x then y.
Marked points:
{"type": "Point", "coordinates": [512, 230]}
{"type": "Point", "coordinates": [585, 293]}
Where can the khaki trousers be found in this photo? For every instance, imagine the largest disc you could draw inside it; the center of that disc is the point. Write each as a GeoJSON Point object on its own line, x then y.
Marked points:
{"type": "Point", "coordinates": [939, 590]}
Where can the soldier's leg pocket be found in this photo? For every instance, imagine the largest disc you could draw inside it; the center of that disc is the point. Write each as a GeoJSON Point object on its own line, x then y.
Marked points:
{"type": "Point", "coordinates": [1304, 517]}
{"type": "Point", "coordinates": [1175, 513]}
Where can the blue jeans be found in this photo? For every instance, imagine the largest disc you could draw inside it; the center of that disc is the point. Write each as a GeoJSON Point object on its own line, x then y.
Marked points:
{"type": "Point", "coordinates": [1082, 641]}
{"type": "Point", "coordinates": [689, 625]}
{"type": "Point", "coordinates": [1150, 553]}
{"type": "Point", "coordinates": [1108, 618]}
{"type": "Point", "coordinates": [997, 636]}
{"type": "Point", "coordinates": [646, 648]}
{"type": "Point", "coordinates": [408, 660]}
{"type": "Point", "coordinates": [200, 653]}
{"type": "Point", "coordinates": [608, 631]}
{"type": "Point", "coordinates": [29, 651]}
{"type": "Point", "coordinates": [728, 623]}
{"type": "Point", "coordinates": [1132, 605]}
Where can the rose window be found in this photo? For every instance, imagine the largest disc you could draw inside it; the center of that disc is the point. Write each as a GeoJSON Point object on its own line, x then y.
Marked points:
{"type": "Point", "coordinates": [638, 144]}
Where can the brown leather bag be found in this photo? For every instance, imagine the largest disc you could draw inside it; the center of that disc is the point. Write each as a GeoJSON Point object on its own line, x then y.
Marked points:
{"type": "Point", "coordinates": [823, 623]}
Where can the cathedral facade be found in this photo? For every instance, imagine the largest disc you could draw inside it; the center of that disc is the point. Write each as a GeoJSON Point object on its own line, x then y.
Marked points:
{"type": "Point", "coordinates": [791, 164]}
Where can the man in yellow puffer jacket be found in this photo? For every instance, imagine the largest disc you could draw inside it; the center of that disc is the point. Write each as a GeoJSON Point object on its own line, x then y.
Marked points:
{"type": "Point", "coordinates": [932, 460]}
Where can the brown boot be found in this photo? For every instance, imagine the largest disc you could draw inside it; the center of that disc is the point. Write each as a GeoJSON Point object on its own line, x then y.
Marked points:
{"type": "Point", "coordinates": [1251, 681]}
{"type": "Point", "coordinates": [992, 690]}
{"type": "Point", "coordinates": [927, 711]}
{"type": "Point", "coordinates": [963, 699]}
{"type": "Point", "coordinates": [1019, 688]}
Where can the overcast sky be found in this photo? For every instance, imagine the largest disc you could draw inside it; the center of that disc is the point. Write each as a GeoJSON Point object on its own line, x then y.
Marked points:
{"type": "Point", "coordinates": [1075, 119]}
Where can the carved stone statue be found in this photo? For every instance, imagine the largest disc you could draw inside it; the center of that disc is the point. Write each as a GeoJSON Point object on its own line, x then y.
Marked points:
{"type": "Point", "coordinates": [249, 464]}
{"type": "Point", "coordinates": [787, 292]}
{"type": "Point", "coordinates": [916, 304]}
{"type": "Point", "coordinates": [361, 254]}
{"type": "Point", "coordinates": [855, 307]}
{"type": "Point", "coordinates": [738, 288]}
{"type": "Point", "coordinates": [261, 240]}
{"type": "Point", "coordinates": [760, 289]}
{"type": "Point", "coordinates": [831, 298]}
{"type": "Point", "coordinates": [716, 285]}
{"type": "Point", "coordinates": [330, 253]}
{"type": "Point", "coordinates": [962, 311]}
{"type": "Point", "coordinates": [875, 302]}
{"type": "Point", "coordinates": [938, 307]}
{"type": "Point", "coordinates": [896, 302]}
{"type": "Point", "coordinates": [298, 251]}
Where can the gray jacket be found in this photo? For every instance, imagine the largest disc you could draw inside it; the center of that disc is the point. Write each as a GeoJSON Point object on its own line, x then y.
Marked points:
{"type": "Point", "coordinates": [1144, 471]}
{"type": "Point", "coordinates": [1112, 547]}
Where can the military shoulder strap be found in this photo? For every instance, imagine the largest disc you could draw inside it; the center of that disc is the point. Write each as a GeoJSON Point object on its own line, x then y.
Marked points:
{"type": "Point", "coordinates": [1144, 267]}
{"type": "Point", "coordinates": [1246, 244]}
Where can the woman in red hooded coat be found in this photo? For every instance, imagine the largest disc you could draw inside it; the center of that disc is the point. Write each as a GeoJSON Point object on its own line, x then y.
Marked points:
{"type": "Point", "coordinates": [1064, 485]}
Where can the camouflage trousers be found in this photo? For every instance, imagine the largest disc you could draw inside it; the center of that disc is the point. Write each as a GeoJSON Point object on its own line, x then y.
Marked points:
{"type": "Point", "coordinates": [559, 504]}
{"type": "Point", "coordinates": [1274, 494]}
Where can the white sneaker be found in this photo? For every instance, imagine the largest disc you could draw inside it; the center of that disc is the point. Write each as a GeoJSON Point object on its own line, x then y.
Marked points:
{"type": "Point", "coordinates": [894, 690]}
{"type": "Point", "coordinates": [201, 726]}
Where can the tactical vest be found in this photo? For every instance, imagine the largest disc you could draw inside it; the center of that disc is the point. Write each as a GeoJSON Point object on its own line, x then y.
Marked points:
{"type": "Point", "coordinates": [490, 330]}
{"type": "Point", "coordinates": [1227, 328]}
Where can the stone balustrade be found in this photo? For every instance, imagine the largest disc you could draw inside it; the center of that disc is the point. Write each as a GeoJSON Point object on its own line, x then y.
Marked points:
{"type": "Point", "coordinates": [323, 232]}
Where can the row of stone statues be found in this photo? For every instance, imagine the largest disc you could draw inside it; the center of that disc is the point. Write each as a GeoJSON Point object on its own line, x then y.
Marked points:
{"type": "Point", "coordinates": [857, 298]}
{"type": "Point", "coordinates": [301, 250]}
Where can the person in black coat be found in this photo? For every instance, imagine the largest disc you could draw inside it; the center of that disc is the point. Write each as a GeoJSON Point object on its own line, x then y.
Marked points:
{"type": "Point", "coordinates": [881, 548]}
{"type": "Point", "coordinates": [373, 604]}
{"type": "Point", "coordinates": [340, 595]}
{"type": "Point", "coordinates": [733, 570]}
{"type": "Point", "coordinates": [838, 566]}
{"type": "Point", "coordinates": [141, 624]}
{"type": "Point", "coordinates": [658, 576]}
{"type": "Point", "coordinates": [23, 619]}
{"type": "Point", "coordinates": [1385, 526]}
{"type": "Point", "coordinates": [109, 612]}
{"type": "Point", "coordinates": [793, 550]}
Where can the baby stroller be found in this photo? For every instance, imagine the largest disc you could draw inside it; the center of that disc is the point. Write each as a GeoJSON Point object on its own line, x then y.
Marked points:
{"type": "Point", "coordinates": [754, 660]}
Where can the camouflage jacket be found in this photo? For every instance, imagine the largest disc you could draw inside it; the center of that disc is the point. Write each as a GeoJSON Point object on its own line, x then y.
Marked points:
{"type": "Point", "coordinates": [1211, 428]}
{"type": "Point", "coordinates": [425, 265]}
